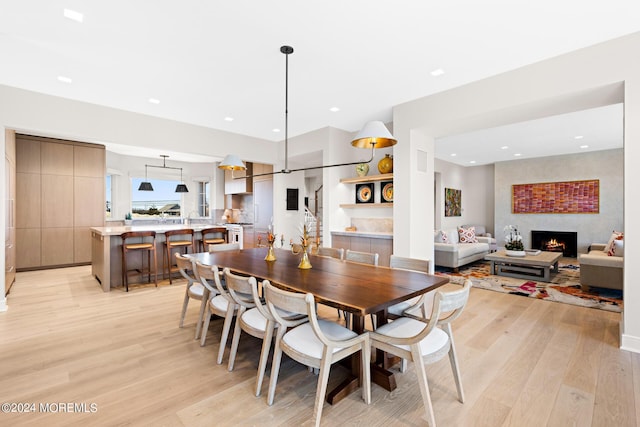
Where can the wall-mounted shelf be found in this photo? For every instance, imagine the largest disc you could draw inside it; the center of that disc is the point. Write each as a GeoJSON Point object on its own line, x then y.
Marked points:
{"type": "Point", "coordinates": [366, 205]}
{"type": "Point", "coordinates": [367, 178]}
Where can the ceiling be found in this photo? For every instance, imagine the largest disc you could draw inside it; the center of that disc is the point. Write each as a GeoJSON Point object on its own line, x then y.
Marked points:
{"type": "Point", "coordinates": [207, 61]}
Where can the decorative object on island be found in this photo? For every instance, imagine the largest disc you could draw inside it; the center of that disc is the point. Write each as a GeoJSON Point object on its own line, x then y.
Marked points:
{"type": "Point", "coordinates": [373, 135]}
{"type": "Point", "coordinates": [452, 202]}
{"type": "Point", "coordinates": [513, 242]}
{"type": "Point", "coordinates": [127, 218]}
{"type": "Point", "coordinates": [146, 185]}
{"type": "Point", "coordinates": [385, 165]}
{"type": "Point", "coordinates": [386, 192]}
{"type": "Point", "coordinates": [362, 169]}
{"type": "Point", "coordinates": [557, 197]}
{"type": "Point", "coordinates": [364, 193]}
{"type": "Point", "coordinates": [305, 264]}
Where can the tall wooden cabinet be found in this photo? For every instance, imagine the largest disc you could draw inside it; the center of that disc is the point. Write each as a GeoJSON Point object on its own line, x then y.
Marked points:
{"type": "Point", "coordinates": [61, 194]}
{"type": "Point", "coordinates": [10, 215]}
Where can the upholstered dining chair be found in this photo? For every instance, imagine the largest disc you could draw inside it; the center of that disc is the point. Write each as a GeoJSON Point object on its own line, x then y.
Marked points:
{"type": "Point", "coordinates": [422, 341]}
{"type": "Point", "coordinates": [423, 301]}
{"type": "Point", "coordinates": [361, 257]}
{"type": "Point", "coordinates": [313, 342]}
{"type": "Point", "coordinates": [224, 247]}
{"type": "Point", "coordinates": [331, 252]}
{"type": "Point", "coordinates": [194, 290]}
{"type": "Point", "coordinates": [220, 304]}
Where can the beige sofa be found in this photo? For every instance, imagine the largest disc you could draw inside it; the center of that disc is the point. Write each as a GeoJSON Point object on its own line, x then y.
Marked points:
{"type": "Point", "coordinates": [455, 254]}
{"type": "Point", "coordinates": [599, 269]}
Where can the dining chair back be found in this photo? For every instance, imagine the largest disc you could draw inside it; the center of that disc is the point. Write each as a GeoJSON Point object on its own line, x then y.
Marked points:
{"type": "Point", "coordinates": [331, 252]}
{"type": "Point", "coordinates": [220, 303]}
{"type": "Point", "coordinates": [224, 247]}
{"type": "Point", "coordinates": [314, 342]}
{"type": "Point", "coordinates": [194, 290]}
{"type": "Point", "coordinates": [361, 257]}
{"type": "Point", "coordinates": [426, 341]}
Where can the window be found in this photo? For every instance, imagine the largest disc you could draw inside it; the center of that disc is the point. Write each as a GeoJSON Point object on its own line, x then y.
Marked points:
{"type": "Point", "coordinates": [203, 198]}
{"type": "Point", "coordinates": [163, 200]}
{"type": "Point", "coordinates": [108, 205]}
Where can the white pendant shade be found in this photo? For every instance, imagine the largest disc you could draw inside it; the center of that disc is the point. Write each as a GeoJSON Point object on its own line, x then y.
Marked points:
{"type": "Point", "coordinates": [232, 162]}
{"type": "Point", "coordinates": [374, 132]}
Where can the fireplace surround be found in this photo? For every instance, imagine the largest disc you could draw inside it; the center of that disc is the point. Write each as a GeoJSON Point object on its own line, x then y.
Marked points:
{"type": "Point", "coordinates": [555, 241]}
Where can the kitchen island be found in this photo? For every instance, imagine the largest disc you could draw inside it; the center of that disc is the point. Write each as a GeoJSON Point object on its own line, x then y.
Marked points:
{"type": "Point", "coordinates": [365, 241]}
{"type": "Point", "coordinates": [106, 250]}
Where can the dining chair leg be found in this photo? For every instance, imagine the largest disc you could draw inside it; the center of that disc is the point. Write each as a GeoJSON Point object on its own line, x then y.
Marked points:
{"type": "Point", "coordinates": [403, 365]}
{"type": "Point", "coordinates": [205, 326]}
{"type": "Point", "coordinates": [237, 331]}
{"type": "Point", "coordinates": [275, 367]}
{"type": "Point", "coordinates": [366, 371]}
{"type": "Point", "coordinates": [185, 303]}
{"type": "Point", "coordinates": [203, 307]}
{"type": "Point", "coordinates": [321, 389]}
{"type": "Point", "coordinates": [264, 355]}
{"type": "Point", "coordinates": [225, 333]}
{"type": "Point", "coordinates": [421, 373]}
{"type": "Point", "coordinates": [453, 359]}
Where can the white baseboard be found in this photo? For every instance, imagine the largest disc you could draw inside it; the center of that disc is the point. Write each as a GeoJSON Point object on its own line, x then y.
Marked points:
{"type": "Point", "coordinates": [630, 343]}
{"type": "Point", "coordinates": [3, 305]}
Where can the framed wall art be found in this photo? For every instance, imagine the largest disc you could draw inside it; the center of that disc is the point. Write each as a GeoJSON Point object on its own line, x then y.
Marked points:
{"type": "Point", "coordinates": [569, 197]}
{"type": "Point", "coordinates": [364, 193]}
{"type": "Point", "coordinates": [452, 202]}
{"type": "Point", "coordinates": [386, 192]}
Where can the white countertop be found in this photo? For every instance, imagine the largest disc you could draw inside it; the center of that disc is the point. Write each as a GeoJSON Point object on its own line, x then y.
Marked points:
{"type": "Point", "coordinates": [371, 234]}
{"type": "Point", "coordinates": [158, 228]}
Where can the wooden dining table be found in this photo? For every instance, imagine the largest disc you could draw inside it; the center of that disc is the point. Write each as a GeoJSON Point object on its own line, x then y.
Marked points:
{"type": "Point", "coordinates": [360, 289]}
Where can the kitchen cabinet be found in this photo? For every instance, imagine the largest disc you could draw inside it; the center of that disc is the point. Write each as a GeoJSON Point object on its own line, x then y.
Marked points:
{"type": "Point", "coordinates": [10, 213]}
{"type": "Point", "coordinates": [61, 194]}
{"type": "Point", "coordinates": [382, 244]}
{"type": "Point", "coordinates": [238, 186]}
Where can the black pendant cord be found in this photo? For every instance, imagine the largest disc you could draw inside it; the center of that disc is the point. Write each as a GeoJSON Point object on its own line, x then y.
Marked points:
{"type": "Point", "coordinates": [287, 50]}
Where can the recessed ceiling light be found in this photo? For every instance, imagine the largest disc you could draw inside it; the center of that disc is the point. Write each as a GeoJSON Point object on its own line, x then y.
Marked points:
{"type": "Point", "coordinates": [73, 15]}
{"type": "Point", "coordinates": [578, 137]}
{"type": "Point", "coordinates": [517, 155]}
{"type": "Point", "coordinates": [228, 119]}
{"type": "Point", "coordinates": [334, 109]}
{"type": "Point", "coordinates": [584, 146]}
{"type": "Point", "coordinates": [276, 130]}
{"type": "Point", "coordinates": [65, 79]}
{"type": "Point", "coordinates": [453, 154]}
{"type": "Point", "coordinates": [154, 101]}
{"type": "Point", "coordinates": [437, 72]}
{"type": "Point", "coordinates": [504, 147]}
{"type": "Point", "coordinates": [472, 161]}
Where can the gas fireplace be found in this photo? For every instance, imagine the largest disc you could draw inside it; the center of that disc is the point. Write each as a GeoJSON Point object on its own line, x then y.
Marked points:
{"type": "Point", "coordinates": [556, 241]}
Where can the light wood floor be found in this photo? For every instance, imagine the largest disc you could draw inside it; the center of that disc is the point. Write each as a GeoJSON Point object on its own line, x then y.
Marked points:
{"type": "Point", "coordinates": [524, 362]}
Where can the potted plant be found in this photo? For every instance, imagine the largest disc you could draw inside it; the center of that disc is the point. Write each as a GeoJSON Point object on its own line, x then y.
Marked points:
{"type": "Point", "coordinates": [513, 241]}
{"type": "Point", "coordinates": [127, 218]}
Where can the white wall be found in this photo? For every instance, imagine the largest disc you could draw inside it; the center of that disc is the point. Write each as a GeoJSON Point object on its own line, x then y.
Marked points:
{"type": "Point", "coordinates": [599, 75]}
{"type": "Point", "coordinates": [606, 166]}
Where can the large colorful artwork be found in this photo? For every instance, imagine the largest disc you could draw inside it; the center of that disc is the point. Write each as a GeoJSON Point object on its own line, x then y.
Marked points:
{"type": "Point", "coordinates": [557, 197]}
{"type": "Point", "coordinates": [452, 202]}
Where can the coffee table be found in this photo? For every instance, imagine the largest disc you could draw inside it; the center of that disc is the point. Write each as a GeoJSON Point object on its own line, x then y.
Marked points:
{"type": "Point", "coordinates": [537, 267]}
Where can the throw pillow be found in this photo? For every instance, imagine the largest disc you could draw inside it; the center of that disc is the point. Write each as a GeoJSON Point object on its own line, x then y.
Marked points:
{"type": "Point", "coordinates": [616, 235]}
{"type": "Point", "coordinates": [617, 249]}
{"type": "Point", "coordinates": [467, 235]}
{"type": "Point", "coordinates": [441, 237]}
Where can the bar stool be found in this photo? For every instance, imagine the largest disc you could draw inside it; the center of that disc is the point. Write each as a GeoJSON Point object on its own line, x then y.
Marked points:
{"type": "Point", "coordinates": [179, 243]}
{"type": "Point", "coordinates": [218, 236]}
{"type": "Point", "coordinates": [139, 246]}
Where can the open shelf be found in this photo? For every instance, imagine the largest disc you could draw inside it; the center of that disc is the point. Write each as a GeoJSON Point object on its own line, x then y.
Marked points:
{"type": "Point", "coordinates": [368, 178]}
{"type": "Point", "coordinates": [366, 205]}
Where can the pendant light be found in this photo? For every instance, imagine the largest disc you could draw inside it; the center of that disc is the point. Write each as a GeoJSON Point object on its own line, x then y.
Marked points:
{"type": "Point", "coordinates": [146, 185]}
{"type": "Point", "coordinates": [373, 135]}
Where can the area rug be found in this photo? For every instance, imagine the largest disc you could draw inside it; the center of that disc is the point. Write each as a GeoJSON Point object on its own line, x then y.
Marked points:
{"type": "Point", "coordinates": [564, 286]}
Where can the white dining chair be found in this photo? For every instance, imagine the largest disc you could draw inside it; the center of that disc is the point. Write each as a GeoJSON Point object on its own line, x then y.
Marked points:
{"type": "Point", "coordinates": [313, 342]}
{"type": "Point", "coordinates": [224, 247]}
{"type": "Point", "coordinates": [362, 258]}
{"type": "Point", "coordinates": [194, 290]}
{"type": "Point", "coordinates": [337, 253]}
{"type": "Point", "coordinates": [424, 301]}
{"type": "Point", "coordinates": [220, 304]}
{"type": "Point", "coordinates": [426, 341]}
